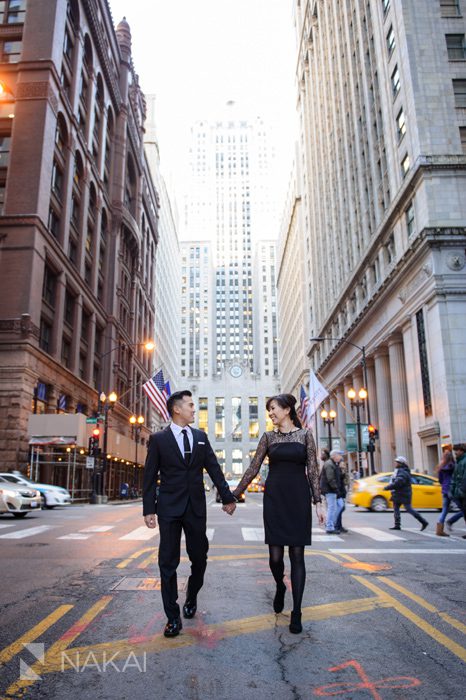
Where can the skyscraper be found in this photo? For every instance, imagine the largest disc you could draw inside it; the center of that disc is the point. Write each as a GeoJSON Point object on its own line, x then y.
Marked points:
{"type": "Point", "coordinates": [229, 338]}
{"type": "Point", "coordinates": [383, 161]}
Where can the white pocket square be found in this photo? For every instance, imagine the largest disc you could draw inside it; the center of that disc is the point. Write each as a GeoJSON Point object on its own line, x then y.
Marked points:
{"type": "Point", "coordinates": [201, 443]}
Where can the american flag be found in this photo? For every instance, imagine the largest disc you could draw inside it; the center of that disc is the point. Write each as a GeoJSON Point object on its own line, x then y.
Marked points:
{"type": "Point", "coordinates": [304, 406]}
{"type": "Point", "coordinates": [158, 392]}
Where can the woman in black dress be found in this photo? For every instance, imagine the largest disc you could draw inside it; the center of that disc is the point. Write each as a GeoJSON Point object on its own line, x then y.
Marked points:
{"type": "Point", "coordinates": [293, 477]}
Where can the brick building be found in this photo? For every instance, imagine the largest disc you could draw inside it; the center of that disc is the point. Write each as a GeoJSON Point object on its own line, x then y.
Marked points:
{"type": "Point", "coordinates": [78, 232]}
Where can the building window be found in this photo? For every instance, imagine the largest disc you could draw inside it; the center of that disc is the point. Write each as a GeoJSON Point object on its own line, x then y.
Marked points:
{"type": "Point", "coordinates": [69, 308]}
{"type": "Point", "coordinates": [237, 461]}
{"type": "Point", "coordinates": [49, 287]}
{"type": "Point", "coordinates": [219, 418]}
{"type": "Point", "coordinates": [463, 138]}
{"type": "Point", "coordinates": [395, 79]}
{"type": "Point", "coordinates": [421, 337]}
{"type": "Point", "coordinates": [220, 455]}
{"type": "Point", "coordinates": [5, 142]}
{"type": "Point", "coordinates": [459, 89]}
{"type": "Point", "coordinates": [385, 6]}
{"type": "Point", "coordinates": [390, 40]}
{"type": "Point", "coordinates": [390, 249]}
{"type": "Point", "coordinates": [11, 51]}
{"type": "Point", "coordinates": [12, 11]}
{"type": "Point", "coordinates": [2, 197]}
{"type": "Point", "coordinates": [54, 223]}
{"type": "Point", "coordinates": [456, 47]}
{"type": "Point", "coordinates": [401, 124]}
{"type": "Point", "coordinates": [450, 8]}
{"type": "Point", "coordinates": [405, 165]}
{"type": "Point", "coordinates": [410, 222]}
{"type": "Point", "coordinates": [236, 430]}
{"type": "Point", "coordinates": [45, 334]}
{"type": "Point", "coordinates": [57, 181]}
{"type": "Point", "coordinates": [203, 414]}
{"type": "Point", "coordinates": [66, 352]}
{"type": "Point", "coordinates": [253, 417]}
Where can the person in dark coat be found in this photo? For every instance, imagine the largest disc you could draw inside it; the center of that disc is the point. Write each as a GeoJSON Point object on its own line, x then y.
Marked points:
{"type": "Point", "coordinates": [458, 480]}
{"type": "Point", "coordinates": [402, 493]}
{"type": "Point", "coordinates": [445, 472]}
{"type": "Point", "coordinates": [330, 487]}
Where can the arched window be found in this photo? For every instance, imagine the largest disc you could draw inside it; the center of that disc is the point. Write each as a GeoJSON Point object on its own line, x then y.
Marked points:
{"type": "Point", "coordinates": [108, 147]}
{"type": "Point", "coordinates": [61, 136]}
{"type": "Point", "coordinates": [130, 186]}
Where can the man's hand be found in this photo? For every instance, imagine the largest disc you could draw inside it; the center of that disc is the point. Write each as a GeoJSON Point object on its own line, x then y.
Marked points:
{"type": "Point", "coordinates": [150, 520]}
{"type": "Point", "coordinates": [229, 508]}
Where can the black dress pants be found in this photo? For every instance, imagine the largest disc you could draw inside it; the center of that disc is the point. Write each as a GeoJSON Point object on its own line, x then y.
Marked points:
{"type": "Point", "coordinates": [197, 546]}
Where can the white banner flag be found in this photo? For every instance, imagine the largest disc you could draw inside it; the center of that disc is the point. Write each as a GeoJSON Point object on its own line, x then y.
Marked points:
{"type": "Point", "coordinates": [317, 394]}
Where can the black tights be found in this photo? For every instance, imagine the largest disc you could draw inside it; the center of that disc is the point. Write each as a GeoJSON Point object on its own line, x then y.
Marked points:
{"type": "Point", "coordinates": [298, 570]}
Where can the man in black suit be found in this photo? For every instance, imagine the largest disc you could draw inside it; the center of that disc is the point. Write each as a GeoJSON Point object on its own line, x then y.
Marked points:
{"type": "Point", "coordinates": [177, 456]}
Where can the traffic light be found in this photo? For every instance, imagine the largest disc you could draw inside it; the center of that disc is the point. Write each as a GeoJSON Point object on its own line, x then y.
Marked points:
{"type": "Point", "coordinates": [94, 449]}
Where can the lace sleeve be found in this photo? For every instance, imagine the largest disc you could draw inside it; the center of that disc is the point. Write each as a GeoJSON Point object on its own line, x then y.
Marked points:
{"type": "Point", "coordinates": [312, 467]}
{"type": "Point", "coordinates": [254, 467]}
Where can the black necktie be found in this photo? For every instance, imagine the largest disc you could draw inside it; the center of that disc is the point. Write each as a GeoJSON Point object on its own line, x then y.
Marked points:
{"type": "Point", "coordinates": [186, 446]}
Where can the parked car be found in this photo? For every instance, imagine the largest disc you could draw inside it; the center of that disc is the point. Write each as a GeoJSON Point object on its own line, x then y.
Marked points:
{"type": "Point", "coordinates": [368, 492]}
{"type": "Point", "coordinates": [51, 495]}
{"type": "Point", "coordinates": [18, 499]}
{"type": "Point", "coordinates": [232, 483]}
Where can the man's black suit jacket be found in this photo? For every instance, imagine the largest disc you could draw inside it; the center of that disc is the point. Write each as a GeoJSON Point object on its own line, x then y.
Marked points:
{"type": "Point", "coordinates": [180, 482]}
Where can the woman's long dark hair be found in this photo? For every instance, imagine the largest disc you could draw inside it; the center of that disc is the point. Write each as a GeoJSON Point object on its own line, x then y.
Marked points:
{"type": "Point", "coordinates": [286, 401]}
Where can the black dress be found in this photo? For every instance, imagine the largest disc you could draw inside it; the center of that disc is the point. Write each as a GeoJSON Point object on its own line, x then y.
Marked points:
{"type": "Point", "coordinates": [293, 478]}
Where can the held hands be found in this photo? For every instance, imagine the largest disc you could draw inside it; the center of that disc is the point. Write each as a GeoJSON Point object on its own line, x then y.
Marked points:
{"type": "Point", "coordinates": [320, 511]}
{"type": "Point", "coordinates": [150, 520]}
{"type": "Point", "coordinates": [229, 508]}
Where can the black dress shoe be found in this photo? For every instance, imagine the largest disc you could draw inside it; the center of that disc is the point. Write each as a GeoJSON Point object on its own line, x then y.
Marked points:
{"type": "Point", "coordinates": [173, 628]}
{"type": "Point", "coordinates": [189, 608]}
{"type": "Point", "coordinates": [295, 623]}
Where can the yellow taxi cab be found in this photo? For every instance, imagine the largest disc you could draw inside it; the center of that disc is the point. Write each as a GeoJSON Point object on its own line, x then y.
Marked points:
{"type": "Point", "coordinates": [256, 485]}
{"type": "Point", "coordinates": [368, 492]}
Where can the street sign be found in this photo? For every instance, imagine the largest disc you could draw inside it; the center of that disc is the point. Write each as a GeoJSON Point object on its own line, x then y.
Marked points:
{"type": "Point", "coordinates": [90, 462]}
{"type": "Point", "coordinates": [336, 442]}
{"type": "Point", "coordinates": [91, 420]}
{"type": "Point", "coordinates": [352, 436]}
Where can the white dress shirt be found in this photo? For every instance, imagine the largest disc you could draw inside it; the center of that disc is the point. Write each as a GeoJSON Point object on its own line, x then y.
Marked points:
{"type": "Point", "coordinates": [176, 430]}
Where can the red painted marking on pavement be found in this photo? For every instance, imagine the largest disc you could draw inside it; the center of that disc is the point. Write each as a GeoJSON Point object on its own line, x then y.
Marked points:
{"type": "Point", "coordinates": [206, 637]}
{"type": "Point", "coordinates": [396, 682]}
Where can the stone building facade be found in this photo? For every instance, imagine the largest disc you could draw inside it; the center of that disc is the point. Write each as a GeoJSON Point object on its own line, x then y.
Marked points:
{"type": "Point", "coordinates": [383, 156]}
{"type": "Point", "coordinates": [78, 232]}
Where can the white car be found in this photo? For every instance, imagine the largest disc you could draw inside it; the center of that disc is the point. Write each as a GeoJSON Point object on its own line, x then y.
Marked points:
{"type": "Point", "coordinates": [51, 495]}
{"type": "Point", "coordinates": [18, 499]}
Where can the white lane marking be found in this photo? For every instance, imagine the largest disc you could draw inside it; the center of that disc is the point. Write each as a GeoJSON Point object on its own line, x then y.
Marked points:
{"type": "Point", "coordinates": [30, 532]}
{"type": "Point", "coordinates": [443, 540]}
{"type": "Point", "coordinates": [375, 534]}
{"type": "Point", "coordinates": [98, 528]}
{"type": "Point", "coordinates": [342, 550]}
{"type": "Point", "coordinates": [75, 536]}
{"type": "Point", "coordinates": [252, 534]}
{"type": "Point", "coordinates": [327, 538]}
{"type": "Point", "coordinates": [2, 525]}
{"type": "Point", "coordinates": [141, 533]}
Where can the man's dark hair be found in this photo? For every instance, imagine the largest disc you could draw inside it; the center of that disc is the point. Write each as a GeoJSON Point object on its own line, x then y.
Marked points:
{"type": "Point", "coordinates": [460, 446]}
{"type": "Point", "coordinates": [176, 397]}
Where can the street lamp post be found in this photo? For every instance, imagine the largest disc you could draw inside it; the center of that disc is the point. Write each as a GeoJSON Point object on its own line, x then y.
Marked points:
{"type": "Point", "coordinates": [328, 418]}
{"type": "Point", "coordinates": [362, 348]}
{"type": "Point", "coordinates": [136, 426]}
{"type": "Point", "coordinates": [107, 402]}
{"type": "Point", "coordinates": [357, 404]}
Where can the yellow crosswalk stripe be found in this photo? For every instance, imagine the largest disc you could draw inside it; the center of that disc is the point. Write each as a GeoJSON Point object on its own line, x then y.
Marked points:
{"type": "Point", "coordinates": [31, 635]}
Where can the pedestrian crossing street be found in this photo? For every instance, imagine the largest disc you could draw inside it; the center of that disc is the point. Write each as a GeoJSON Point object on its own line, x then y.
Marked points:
{"type": "Point", "coordinates": [15, 531]}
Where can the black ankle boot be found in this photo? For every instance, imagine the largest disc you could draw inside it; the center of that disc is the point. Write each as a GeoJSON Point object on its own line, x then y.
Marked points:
{"type": "Point", "coordinates": [279, 600]}
{"type": "Point", "coordinates": [295, 623]}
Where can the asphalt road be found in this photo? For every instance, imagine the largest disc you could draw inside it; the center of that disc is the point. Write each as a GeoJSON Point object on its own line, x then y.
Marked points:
{"type": "Point", "coordinates": [384, 613]}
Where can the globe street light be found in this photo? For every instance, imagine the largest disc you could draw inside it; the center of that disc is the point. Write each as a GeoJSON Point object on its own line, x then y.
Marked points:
{"type": "Point", "coordinates": [363, 396]}
{"type": "Point", "coordinates": [136, 426]}
{"type": "Point", "coordinates": [328, 418]}
{"type": "Point", "coordinates": [107, 403]}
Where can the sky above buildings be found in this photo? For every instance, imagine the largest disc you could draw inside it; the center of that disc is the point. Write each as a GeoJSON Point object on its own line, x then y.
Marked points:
{"type": "Point", "coordinates": [197, 55]}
